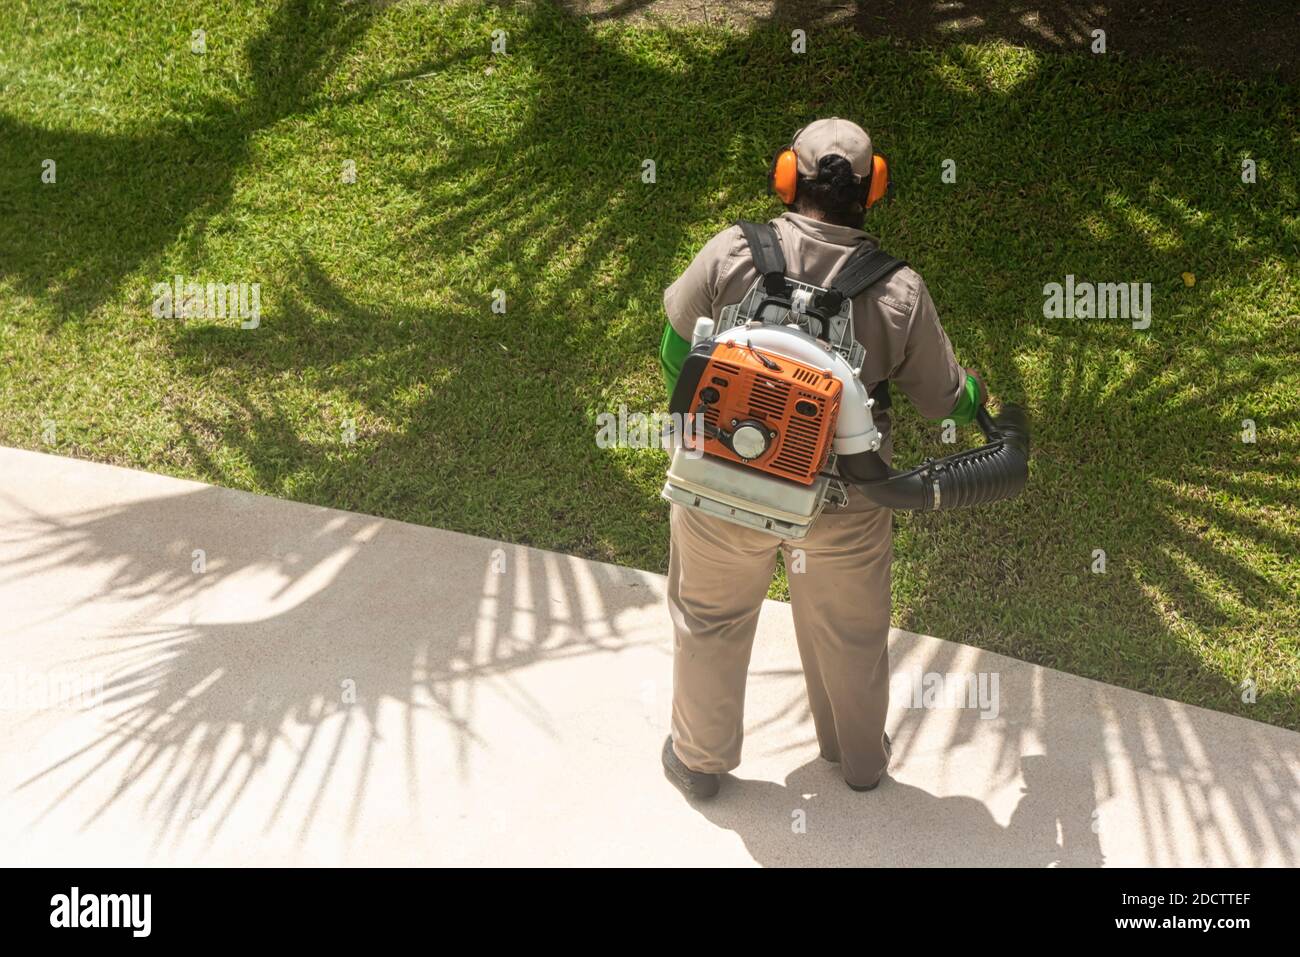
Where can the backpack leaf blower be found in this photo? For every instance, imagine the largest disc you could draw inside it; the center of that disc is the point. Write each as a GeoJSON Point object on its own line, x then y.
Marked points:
{"type": "Point", "coordinates": [786, 422]}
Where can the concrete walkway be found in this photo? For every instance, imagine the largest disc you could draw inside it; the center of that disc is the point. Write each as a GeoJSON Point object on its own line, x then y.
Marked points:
{"type": "Point", "coordinates": [509, 707]}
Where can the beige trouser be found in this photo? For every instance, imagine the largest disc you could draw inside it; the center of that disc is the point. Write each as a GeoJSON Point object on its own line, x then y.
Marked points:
{"type": "Point", "coordinates": [718, 575]}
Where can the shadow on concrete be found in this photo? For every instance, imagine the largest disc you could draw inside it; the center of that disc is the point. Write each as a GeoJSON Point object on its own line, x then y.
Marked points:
{"type": "Point", "coordinates": [869, 830]}
{"type": "Point", "coordinates": [359, 607]}
{"type": "Point", "coordinates": [305, 625]}
{"type": "Point", "coordinates": [1089, 758]}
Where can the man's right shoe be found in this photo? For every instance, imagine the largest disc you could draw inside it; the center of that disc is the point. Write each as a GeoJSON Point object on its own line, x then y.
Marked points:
{"type": "Point", "coordinates": [889, 753]}
{"type": "Point", "coordinates": [696, 784]}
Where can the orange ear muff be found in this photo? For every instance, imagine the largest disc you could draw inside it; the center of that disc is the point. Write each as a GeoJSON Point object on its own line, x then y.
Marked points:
{"type": "Point", "coordinates": [880, 185]}
{"type": "Point", "coordinates": [785, 175]}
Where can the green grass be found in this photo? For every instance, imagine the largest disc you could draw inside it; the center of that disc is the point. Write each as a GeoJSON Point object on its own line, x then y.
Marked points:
{"type": "Point", "coordinates": [522, 172]}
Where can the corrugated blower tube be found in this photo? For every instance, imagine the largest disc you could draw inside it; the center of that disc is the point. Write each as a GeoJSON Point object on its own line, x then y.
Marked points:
{"type": "Point", "coordinates": [991, 473]}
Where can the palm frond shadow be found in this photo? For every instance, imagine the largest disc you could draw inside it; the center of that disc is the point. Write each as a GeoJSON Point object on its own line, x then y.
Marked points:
{"type": "Point", "coordinates": [102, 221]}
{"type": "Point", "coordinates": [1055, 741]}
{"type": "Point", "coordinates": [198, 704]}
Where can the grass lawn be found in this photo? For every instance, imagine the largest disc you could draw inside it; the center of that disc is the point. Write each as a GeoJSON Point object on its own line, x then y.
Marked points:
{"type": "Point", "coordinates": [522, 172]}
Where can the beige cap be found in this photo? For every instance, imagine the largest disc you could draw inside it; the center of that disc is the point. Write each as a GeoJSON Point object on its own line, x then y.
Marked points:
{"type": "Point", "coordinates": [833, 135]}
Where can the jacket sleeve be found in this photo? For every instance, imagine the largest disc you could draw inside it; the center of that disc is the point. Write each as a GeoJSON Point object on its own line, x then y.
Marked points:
{"type": "Point", "coordinates": [696, 289]}
{"type": "Point", "coordinates": [928, 373]}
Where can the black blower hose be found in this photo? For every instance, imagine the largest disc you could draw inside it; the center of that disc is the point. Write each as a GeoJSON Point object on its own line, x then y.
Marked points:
{"type": "Point", "coordinates": [990, 473]}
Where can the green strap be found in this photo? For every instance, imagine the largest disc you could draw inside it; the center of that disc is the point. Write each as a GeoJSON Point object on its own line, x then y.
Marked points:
{"type": "Point", "coordinates": [963, 413]}
{"type": "Point", "coordinates": [672, 353]}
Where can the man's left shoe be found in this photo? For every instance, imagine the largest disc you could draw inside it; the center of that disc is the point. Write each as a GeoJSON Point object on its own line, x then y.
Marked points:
{"type": "Point", "coordinates": [696, 784]}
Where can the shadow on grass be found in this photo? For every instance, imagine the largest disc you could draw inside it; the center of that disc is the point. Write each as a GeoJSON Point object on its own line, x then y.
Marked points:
{"type": "Point", "coordinates": [121, 200]}
{"type": "Point", "coordinates": [1198, 33]}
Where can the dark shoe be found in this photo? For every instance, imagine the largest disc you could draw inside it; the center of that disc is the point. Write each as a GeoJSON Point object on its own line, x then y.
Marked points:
{"type": "Point", "coordinates": [889, 753]}
{"type": "Point", "coordinates": [696, 784]}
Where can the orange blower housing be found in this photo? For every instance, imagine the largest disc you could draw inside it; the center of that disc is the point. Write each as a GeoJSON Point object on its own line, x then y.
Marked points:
{"type": "Point", "coordinates": [761, 409]}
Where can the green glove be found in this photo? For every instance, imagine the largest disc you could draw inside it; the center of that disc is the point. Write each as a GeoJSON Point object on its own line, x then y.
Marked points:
{"type": "Point", "coordinates": [672, 353]}
{"type": "Point", "coordinates": [968, 403]}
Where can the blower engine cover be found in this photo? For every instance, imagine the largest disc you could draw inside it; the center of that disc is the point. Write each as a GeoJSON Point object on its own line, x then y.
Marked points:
{"type": "Point", "coordinates": [761, 409]}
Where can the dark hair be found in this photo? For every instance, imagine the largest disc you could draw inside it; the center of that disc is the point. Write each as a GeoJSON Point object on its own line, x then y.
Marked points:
{"type": "Point", "coordinates": [835, 195]}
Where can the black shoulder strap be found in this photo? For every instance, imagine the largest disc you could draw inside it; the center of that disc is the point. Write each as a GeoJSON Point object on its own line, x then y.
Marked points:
{"type": "Point", "coordinates": [768, 258]}
{"type": "Point", "coordinates": [864, 267]}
